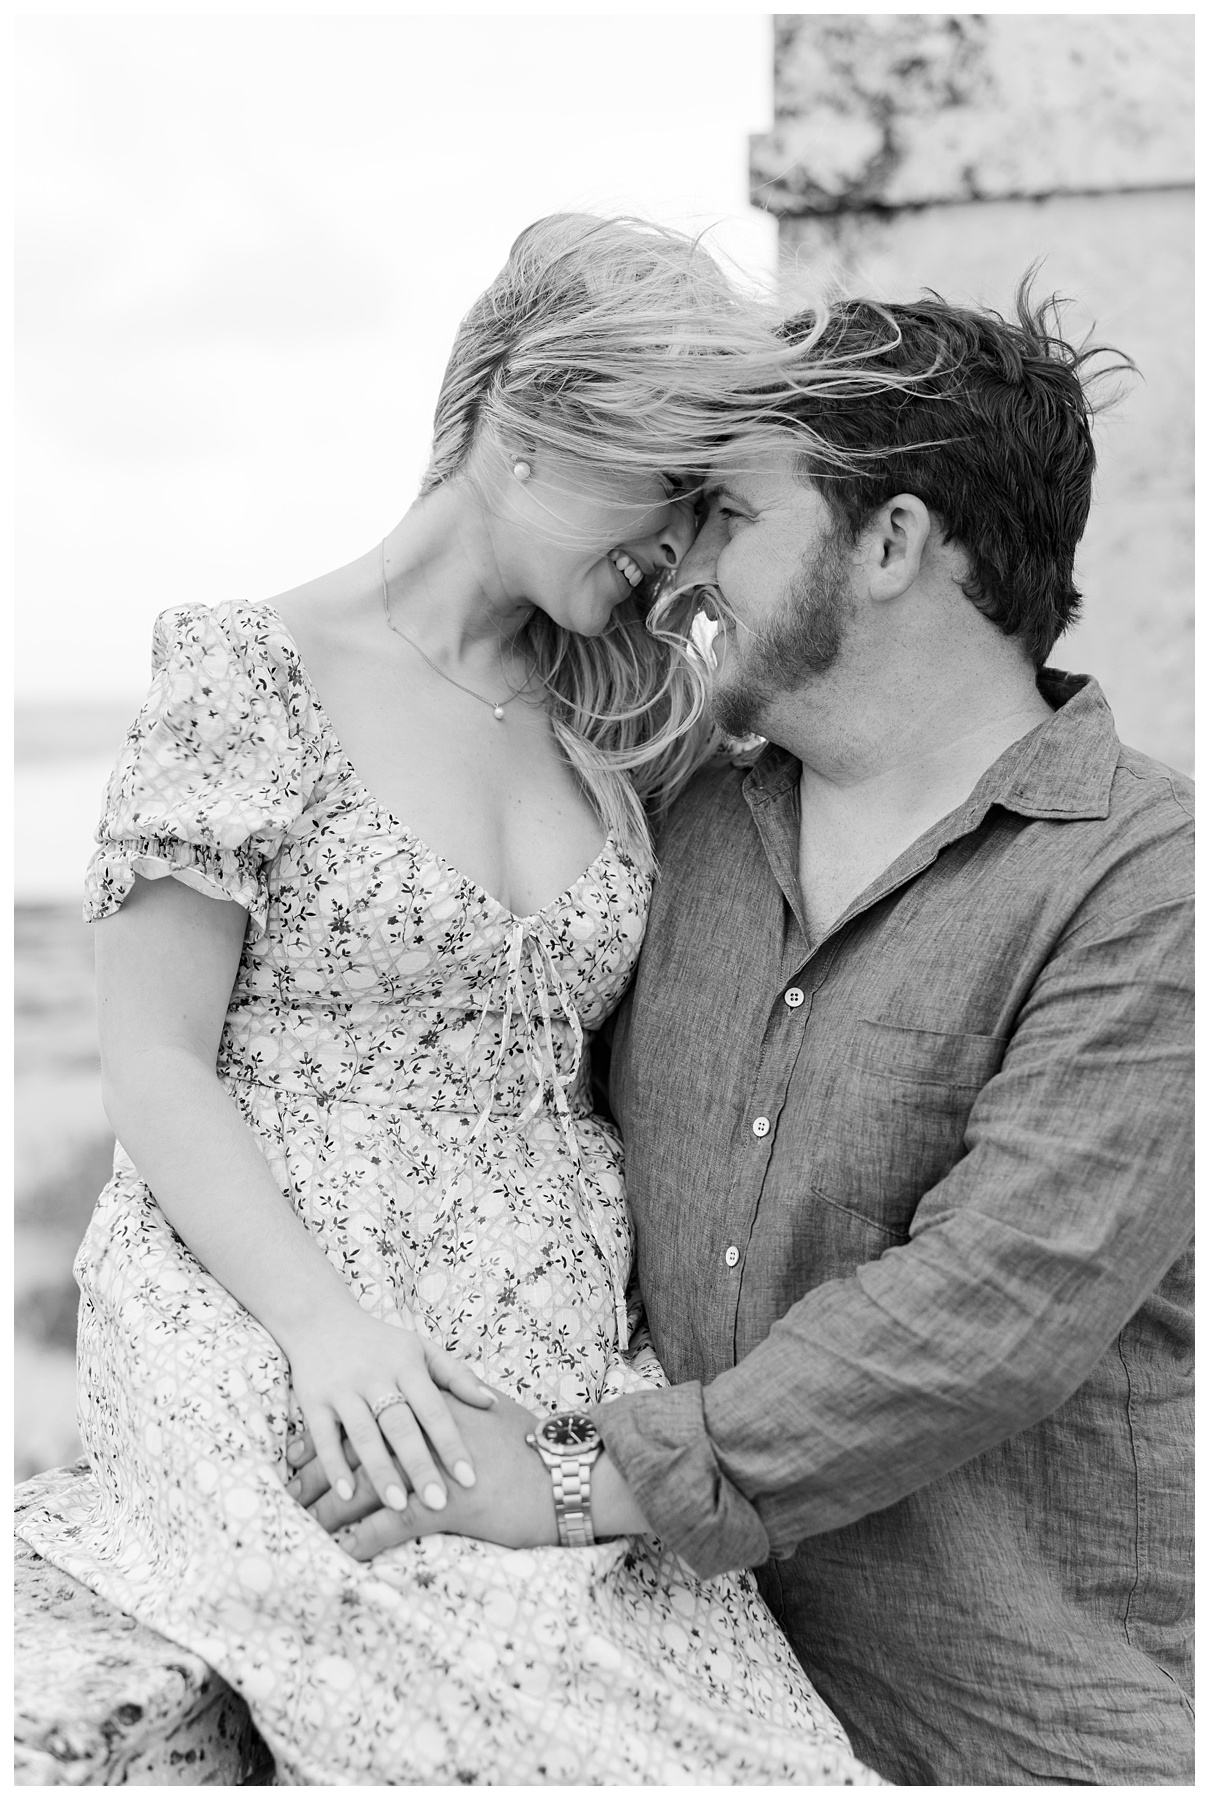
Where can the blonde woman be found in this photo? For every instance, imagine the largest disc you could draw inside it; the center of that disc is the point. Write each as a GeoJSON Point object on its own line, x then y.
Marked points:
{"type": "Point", "coordinates": [375, 860]}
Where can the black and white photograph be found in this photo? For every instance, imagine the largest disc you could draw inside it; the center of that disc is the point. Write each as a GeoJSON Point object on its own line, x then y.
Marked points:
{"type": "Point", "coordinates": [603, 974]}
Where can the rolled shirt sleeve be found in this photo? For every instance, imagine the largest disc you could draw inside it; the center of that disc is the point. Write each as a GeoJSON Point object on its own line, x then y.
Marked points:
{"type": "Point", "coordinates": [668, 1457]}
{"type": "Point", "coordinates": [1022, 1265]}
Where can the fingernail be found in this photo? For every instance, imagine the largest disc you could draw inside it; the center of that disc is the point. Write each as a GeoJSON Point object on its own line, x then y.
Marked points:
{"type": "Point", "coordinates": [396, 1497]}
{"type": "Point", "coordinates": [486, 1394]}
{"type": "Point", "coordinates": [344, 1488]}
{"type": "Point", "coordinates": [434, 1496]}
{"type": "Point", "coordinates": [463, 1472]}
{"type": "Point", "coordinates": [296, 1452]}
{"type": "Point", "coordinates": [293, 1488]}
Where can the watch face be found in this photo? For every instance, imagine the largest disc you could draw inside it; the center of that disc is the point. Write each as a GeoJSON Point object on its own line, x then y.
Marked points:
{"type": "Point", "coordinates": [570, 1431]}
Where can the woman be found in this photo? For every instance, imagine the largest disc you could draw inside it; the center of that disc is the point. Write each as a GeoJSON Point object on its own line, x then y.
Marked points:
{"type": "Point", "coordinates": [355, 915]}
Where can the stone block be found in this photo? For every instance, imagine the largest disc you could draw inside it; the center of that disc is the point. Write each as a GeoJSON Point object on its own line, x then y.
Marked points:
{"type": "Point", "coordinates": [907, 109]}
{"type": "Point", "coordinates": [103, 1701]}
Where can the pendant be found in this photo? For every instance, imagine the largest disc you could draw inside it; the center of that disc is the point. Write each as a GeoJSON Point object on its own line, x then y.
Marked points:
{"type": "Point", "coordinates": [498, 711]}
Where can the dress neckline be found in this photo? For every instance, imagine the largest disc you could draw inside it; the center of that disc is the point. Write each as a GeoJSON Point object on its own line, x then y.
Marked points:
{"type": "Point", "coordinates": [400, 826]}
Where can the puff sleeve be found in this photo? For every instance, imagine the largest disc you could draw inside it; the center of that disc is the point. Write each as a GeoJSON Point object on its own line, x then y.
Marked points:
{"type": "Point", "coordinates": [213, 771]}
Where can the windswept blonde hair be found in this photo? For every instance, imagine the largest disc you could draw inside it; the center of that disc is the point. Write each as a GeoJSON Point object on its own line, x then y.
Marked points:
{"type": "Point", "coordinates": [623, 345]}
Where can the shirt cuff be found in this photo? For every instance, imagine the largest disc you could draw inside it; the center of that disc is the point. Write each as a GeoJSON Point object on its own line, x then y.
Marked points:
{"type": "Point", "coordinates": [660, 1444]}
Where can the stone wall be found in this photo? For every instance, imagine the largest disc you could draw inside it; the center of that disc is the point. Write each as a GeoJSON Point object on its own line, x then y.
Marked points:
{"type": "Point", "coordinates": [101, 1701]}
{"type": "Point", "coordinates": [954, 150]}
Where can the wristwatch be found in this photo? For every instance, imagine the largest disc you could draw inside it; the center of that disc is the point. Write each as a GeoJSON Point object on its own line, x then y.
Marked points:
{"type": "Point", "coordinates": [569, 1443]}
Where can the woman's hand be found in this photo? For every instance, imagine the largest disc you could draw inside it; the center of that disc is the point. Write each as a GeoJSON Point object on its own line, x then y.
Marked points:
{"type": "Point", "coordinates": [344, 1361]}
{"type": "Point", "coordinates": [512, 1503]}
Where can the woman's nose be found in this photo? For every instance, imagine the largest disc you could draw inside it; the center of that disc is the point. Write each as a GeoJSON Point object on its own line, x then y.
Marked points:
{"type": "Point", "coordinates": [671, 544]}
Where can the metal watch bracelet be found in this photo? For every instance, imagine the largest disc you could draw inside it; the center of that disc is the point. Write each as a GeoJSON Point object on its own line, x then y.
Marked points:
{"type": "Point", "coordinates": [572, 1484]}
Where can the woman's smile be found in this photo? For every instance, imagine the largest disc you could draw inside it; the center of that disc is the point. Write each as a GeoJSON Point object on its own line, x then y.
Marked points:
{"type": "Point", "coordinates": [628, 568]}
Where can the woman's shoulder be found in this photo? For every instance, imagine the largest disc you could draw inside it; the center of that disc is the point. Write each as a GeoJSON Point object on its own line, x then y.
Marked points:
{"type": "Point", "coordinates": [228, 683]}
{"type": "Point", "coordinates": [244, 636]}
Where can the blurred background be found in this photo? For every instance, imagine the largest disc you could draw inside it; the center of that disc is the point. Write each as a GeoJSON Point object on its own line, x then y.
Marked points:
{"type": "Point", "coordinates": [244, 245]}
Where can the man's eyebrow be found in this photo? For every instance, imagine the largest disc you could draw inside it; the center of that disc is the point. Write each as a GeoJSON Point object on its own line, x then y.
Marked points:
{"type": "Point", "coordinates": [715, 490]}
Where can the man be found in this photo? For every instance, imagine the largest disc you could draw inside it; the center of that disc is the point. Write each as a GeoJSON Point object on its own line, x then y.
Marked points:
{"type": "Point", "coordinates": [907, 1065]}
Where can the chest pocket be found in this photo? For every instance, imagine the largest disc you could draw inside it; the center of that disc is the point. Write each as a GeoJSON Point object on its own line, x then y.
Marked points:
{"type": "Point", "coordinates": [896, 1122]}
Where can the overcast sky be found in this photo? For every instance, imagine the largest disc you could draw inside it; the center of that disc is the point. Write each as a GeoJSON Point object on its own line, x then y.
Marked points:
{"type": "Point", "coordinates": [244, 244]}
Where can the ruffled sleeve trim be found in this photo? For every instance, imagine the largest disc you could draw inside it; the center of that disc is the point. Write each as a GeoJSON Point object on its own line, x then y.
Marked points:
{"type": "Point", "coordinates": [219, 874]}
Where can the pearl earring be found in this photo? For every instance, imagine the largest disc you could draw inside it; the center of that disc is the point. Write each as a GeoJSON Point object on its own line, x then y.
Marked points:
{"type": "Point", "coordinates": [522, 470]}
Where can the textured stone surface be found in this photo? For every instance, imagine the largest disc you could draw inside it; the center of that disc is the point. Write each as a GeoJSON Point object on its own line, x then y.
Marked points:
{"type": "Point", "coordinates": [101, 1700]}
{"type": "Point", "coordinates": [902, 151]}
{"type": "Point", "coordinates": [902, 109]}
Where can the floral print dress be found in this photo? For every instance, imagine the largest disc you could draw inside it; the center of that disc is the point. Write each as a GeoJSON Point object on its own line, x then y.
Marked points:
{"type": "Point", "coordinates": [410, 1057]}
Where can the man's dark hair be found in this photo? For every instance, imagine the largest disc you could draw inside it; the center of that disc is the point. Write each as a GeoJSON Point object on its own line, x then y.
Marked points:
{"type": "Point", "coordinates": [991, 429]}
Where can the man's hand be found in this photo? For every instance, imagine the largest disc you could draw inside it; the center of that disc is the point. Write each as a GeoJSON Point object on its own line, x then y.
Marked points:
{"type": "Point", "coordinates": [511, 1502]}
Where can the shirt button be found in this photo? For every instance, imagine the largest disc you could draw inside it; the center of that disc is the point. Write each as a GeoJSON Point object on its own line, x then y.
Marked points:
{"type": "Point", "coordinates": [794, 996]}
{"type": "Point", "coordinates": [732, 1257]}
{"type": "Point", "coordinates": [761, 1126]}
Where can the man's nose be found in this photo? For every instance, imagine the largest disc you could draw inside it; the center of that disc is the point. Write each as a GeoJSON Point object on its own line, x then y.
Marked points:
{"type": "Point", "coordinates": [700, 565]}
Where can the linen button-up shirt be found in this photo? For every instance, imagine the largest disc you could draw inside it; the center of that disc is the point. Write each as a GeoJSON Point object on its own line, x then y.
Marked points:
{"type": "Point", "coordinates": [916, 1254]}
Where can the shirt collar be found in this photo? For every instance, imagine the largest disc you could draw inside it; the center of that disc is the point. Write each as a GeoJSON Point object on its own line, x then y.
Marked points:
{"type": "Point", "coordinates": [1062, 769]}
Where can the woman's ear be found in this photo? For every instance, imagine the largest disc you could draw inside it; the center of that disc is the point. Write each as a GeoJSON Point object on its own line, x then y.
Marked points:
{"type": "Point", "coordinates": [896, 539]}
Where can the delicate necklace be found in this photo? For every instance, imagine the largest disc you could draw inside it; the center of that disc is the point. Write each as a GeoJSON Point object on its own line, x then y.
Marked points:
{"type": "Point", "coordinates": [497, 706]}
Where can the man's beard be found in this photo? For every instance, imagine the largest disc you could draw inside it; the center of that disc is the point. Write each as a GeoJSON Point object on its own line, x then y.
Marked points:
{"type": "Point", "coordinates": [803, 638]}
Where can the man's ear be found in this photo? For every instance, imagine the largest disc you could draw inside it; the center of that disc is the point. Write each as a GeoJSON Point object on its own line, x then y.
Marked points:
{"type": "Point", "coordinates": [895, 539]}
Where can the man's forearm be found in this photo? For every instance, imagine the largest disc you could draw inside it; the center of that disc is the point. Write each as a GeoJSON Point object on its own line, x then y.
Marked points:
{"type": "Point", "coordinates": [868, 1389]}
{"type": "Point", "coordinates": [661, 1448]}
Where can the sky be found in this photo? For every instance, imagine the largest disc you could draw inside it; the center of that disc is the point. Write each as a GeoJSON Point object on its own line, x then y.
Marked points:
{"type": "Point", "coordinates": [244, 244]}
